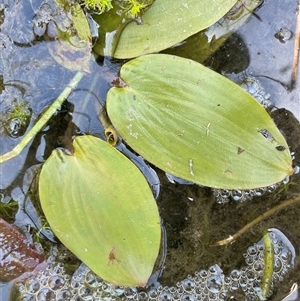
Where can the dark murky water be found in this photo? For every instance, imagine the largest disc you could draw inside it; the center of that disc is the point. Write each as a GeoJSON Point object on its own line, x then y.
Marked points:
{"type": "Point", "coordinates": [192, 218]}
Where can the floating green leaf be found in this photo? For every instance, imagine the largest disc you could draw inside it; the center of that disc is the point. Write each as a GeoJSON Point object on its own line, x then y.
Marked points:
{"type": "Point", "coordinates": [200, 46]}
{"type": "Point", "coordinates": [165, 23]}
{"type": "Point", "coordinates": [195, 124]}
{"type": "Point", "coordinates": [100, 206]}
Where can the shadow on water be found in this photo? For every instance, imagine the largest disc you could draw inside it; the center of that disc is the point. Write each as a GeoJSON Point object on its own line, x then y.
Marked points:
{"type": "Point", "coordinates": [192, 218]}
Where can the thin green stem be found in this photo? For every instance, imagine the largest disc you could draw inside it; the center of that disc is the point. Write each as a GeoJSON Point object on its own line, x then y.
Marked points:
{"type": "Point", "coordinates": [44, 119]}
{"type": "Point", "coordinates": [267, 277]}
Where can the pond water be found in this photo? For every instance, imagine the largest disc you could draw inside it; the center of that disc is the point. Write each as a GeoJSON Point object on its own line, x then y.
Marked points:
{"type": "Point", "coordinates": [261, 51]}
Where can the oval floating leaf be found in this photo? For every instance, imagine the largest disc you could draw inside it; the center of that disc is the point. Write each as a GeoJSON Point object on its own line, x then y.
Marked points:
{"type": "Point", "coordinates": [195, 124]}
{"type": "Point", "coordinates": [100, 206]}
{"type": "Point", "coordinates": [166, 23]}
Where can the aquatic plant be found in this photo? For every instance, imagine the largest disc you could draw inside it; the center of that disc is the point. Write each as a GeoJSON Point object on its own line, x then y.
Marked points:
{"type": "Point", "coordinates": [17, 118]}
{"type": "Point", "coordinates": [7, 209]}
{"type": "Point", "coordinates": [135, 7]}
{"type": "Point", "coordinates": [161, 28]}
{"type": "Point", "coordinates": [99, 6]}
{"type": "Point", "coordinates": [197, 126]}
{"type": "Point", "coordinates": [153, 123]}
{"type": "Point", "coordinates": [114, 240]}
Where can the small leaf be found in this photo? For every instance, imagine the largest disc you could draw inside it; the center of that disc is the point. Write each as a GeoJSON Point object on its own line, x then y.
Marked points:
{"type": "Point", "coordinates": [166, 23]}
{"type": "Point", "coordinates": [195, 124]}
{"type": "Point", "coordinates": [100, 206]}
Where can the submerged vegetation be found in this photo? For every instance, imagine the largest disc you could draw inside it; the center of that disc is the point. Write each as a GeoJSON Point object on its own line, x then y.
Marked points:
{"type": "Point", "coordinates": [133, 7]}
{"type": "Point", "coordinates": [17, 118]}
{"type": "Point", "coordinates": [98, 6]}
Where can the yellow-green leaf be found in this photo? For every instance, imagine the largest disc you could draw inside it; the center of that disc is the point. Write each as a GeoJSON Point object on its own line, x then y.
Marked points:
{"type": "Point", "coordinates": [168, 22]}
{"type": "Point", "coordinates": [101, 208]}
{"type": "Point", "coordinates": [195, 124]}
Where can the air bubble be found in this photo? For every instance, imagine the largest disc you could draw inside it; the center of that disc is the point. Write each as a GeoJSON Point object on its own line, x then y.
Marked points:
{"type": "Point", "coordinates": [259, 247]}
{"type": "Point", "coordinates": [44, 281]}
{"type": "Point", "coordinates": [235, 274]}
{"type": "Point", "coordinates": [165, 296]}
{"type": "Point", "coordinates": [234, 285]}
{"type": "Point", "coordinates": [286, 180]}
{"type": "Point", "coordinates": [58, 269]}
{"type": "Point", "coordinates": [203, 274]}
{"type": "Point", "coordinates": [250, 276]}
{"type": "Point", "coordinates": [45, 294]}
{"type": "Point", "coordinates": [214, 269]}
{"type": "Point", "coordinates": [214, 283]}
{"type": "Point", "coordinates": [248, 194]}
{"type": "Point", "coordinates": [188, 285]}
{"type": "Point", "coordinates": [243, 283]}
{"type": "Point", "coordinates": [286, 255]}
{"type": "Point", "coordinates": [106, 288]}
{"type": "Point", "coordinates": [283, 35]}
{"type": "Point", "coordinates": [85, 293]}
{"type": "Point", "coordinates": [249, 260]}
{"type": "Point", "coordinates": [251, 297]}
{"type": "Point", "coordinates": [223, 296]}
{"type": "Point", "coordinates": [92, 280]}
{"type": "Point", "coordinates": [277, 265]}
{"type": "Point", "coordinates": [64, 295]}
{"type": "Point", "coordinates": [225, 193]}
{"type": "Point", "coordinates": [56, 282]}
{"type": "Point", "coordinates": [142, 296]}
{"type": "Point", "coordinates": [32, 285]}
{"type": "Point", "coordinates": [261, 256]}
{"type": "Point", "coordinates": [253, 87]}
{"type": "Point", "coordinates": [271, 188]}
{"type": "Point", "coordinates": [251, 251]}
{"type": "Point", "coordinates": [74, 283]}
{"type": "Point", "coordinates": [237, 195]}
{"type": "Point", "coordinates": [273, 237]}
{"type": "Point", "coordinates": [257, 266]}
{"type": "Point", "coordinates": [187, 297]}
{"type": "Point", "coordinates": [260, 191]}
{"type": "Point", "coordinates": [118, 290]}
{"type": "Point", "coordinates": [152, 293]}
{"type": "Point", "coordinates": [176, 296]}
{"type": "Point", "coordinates": [227, 283]}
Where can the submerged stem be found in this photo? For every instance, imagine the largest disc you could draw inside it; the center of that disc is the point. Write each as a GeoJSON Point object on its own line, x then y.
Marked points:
{"type": "Point", "coordinates": [257, 220]}
{"type": "Point", "coordinates": [44, 119]}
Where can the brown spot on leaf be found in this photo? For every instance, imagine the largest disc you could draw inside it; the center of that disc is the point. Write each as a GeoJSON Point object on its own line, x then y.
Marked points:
{"type": "Point", "coordinates": [112, 257]}
{"type": "Point", "coordinates": [240, 150]}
